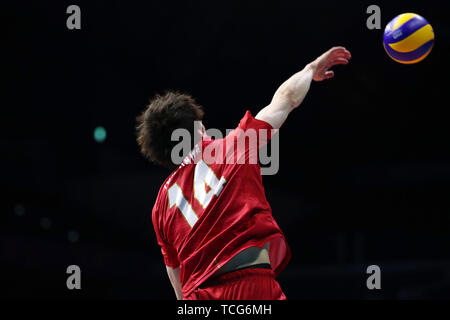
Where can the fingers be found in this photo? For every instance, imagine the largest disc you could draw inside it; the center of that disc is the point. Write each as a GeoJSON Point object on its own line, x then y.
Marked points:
{"type": "Point", "coordinates": [339, 60]}
{"type": "Point", "coordinates": [337, 48]}
{"type": "Point", "coordinates": [340, 52]}
{"type": "Point", "coordinates": [329, 74]}
{"type": "Point", "coordinates": [334, 56]}
{"type": "Point", "coordinates": [347, 54]}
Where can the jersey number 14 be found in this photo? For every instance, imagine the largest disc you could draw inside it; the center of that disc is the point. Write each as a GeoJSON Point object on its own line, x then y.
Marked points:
{"type": "Point", "coordinates": [206, 185]}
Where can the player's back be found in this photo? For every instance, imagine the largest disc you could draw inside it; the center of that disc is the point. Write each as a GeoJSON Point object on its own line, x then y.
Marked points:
{"type": "Point", "coordinates": [209, 211]}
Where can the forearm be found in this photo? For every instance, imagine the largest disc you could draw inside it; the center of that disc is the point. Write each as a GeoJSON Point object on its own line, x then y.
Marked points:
{"type": "Point", "coordinates": [174, 277]}
{"type": "Point", "coordinates": [292, 92]}
{"type": "Point", "coordinates": [288, 97]}
{"type": "Point", "coordinates": [178, 293]}
{"type": "Point", "coordinates": [177, 289]}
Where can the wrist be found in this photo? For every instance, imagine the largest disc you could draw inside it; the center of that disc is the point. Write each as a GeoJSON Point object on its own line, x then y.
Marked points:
{"type": "Point", "coordinates": [312, 66]}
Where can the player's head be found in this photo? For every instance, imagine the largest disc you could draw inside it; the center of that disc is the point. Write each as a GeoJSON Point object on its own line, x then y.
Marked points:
{"type": "Point", "coordinates": [162, 116]}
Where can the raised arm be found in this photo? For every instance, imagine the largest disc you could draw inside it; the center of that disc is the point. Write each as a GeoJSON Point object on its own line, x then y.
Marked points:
{"type": "Point", "coordinates": [292, 92]}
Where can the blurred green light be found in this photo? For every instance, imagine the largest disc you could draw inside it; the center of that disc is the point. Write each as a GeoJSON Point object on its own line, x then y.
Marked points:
{"type": "Point", "coordinates": [99, 134]}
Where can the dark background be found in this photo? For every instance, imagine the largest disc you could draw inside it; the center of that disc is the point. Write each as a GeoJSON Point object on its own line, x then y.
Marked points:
{"type": "Point", "coordinates": [364, 175]}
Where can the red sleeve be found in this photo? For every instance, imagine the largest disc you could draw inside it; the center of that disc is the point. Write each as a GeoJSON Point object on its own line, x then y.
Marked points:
{"type": "Point", "coordinates": [244, 142]}
{"type": "Point", "coordinates": [169, 253]}
{"type": "Point", "coordinates": [249, 122]}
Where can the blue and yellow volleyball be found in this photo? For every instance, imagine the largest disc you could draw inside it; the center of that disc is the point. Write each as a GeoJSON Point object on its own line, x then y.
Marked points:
{"type": "Point", "coordinates": [408, 38]}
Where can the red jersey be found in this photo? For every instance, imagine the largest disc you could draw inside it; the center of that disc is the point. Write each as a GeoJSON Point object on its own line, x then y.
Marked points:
{"type": "Point", "coordinates": [206, 213]}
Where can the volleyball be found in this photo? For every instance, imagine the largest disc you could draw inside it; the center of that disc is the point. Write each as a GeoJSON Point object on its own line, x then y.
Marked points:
{"type": "Point", "coordinates": [408, 38]}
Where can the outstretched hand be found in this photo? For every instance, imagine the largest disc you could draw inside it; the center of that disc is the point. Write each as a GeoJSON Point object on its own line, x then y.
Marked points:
{"type": "Point", "coordinates": [334, 56]}
{"type": "Point", "coordinates": [292, 92]}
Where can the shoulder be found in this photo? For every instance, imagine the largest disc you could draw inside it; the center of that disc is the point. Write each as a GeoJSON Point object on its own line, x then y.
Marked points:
{"type": "Point", "coordinates": [249, 121]}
